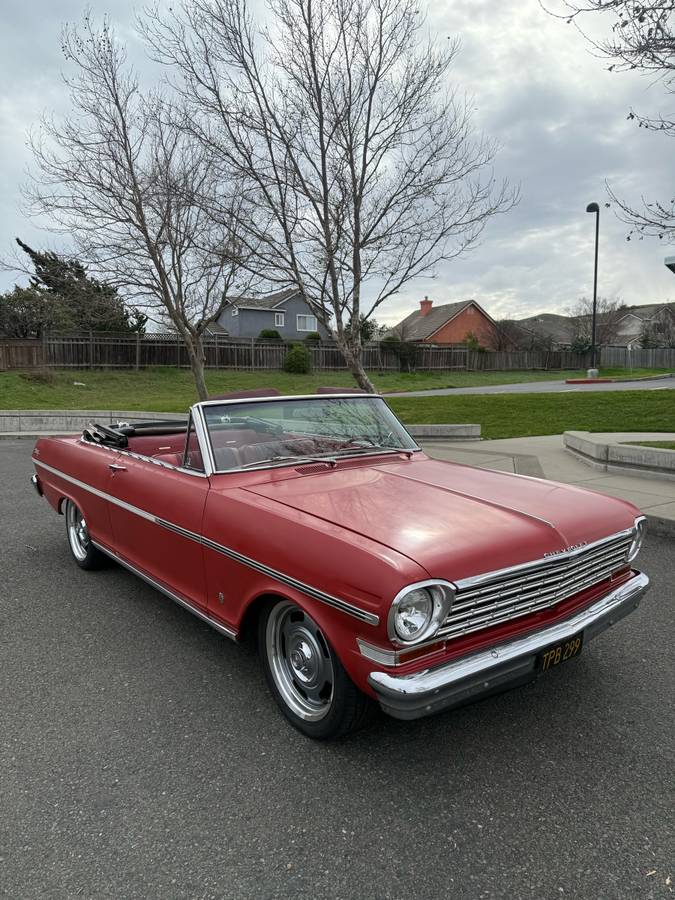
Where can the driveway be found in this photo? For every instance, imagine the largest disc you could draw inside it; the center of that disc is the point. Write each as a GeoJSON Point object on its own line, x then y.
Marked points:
{"type": "Point", "coordinates": [547, 387]}
{"type": "Point", "coordinates": [142, 757]}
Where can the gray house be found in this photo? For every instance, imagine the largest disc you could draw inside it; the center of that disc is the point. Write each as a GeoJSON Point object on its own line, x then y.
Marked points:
{"type": "Point", "coordinates": [284, 311]}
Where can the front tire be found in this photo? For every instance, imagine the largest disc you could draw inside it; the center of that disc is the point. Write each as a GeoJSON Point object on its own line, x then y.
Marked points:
{"type": "Point", "coordinates": [83, 551]}
{"type": "Point", "coordinates": [305, 676]}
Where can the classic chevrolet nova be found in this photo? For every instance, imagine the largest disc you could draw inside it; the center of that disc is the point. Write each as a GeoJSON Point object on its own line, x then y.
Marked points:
{"type": "Point", "coordinates": [367, 571]}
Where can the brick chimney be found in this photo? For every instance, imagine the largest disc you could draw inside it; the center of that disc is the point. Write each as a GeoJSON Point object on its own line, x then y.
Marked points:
{"type": "Point", "coordinates": [425, 306]}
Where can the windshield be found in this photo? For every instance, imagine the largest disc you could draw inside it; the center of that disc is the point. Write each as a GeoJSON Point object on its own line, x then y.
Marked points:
{"type": "Point", "coordinates": [283, 431]}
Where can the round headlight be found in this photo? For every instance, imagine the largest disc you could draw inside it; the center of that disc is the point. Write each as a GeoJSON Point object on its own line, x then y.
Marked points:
{"type": "Point", "coordinates": [419, 610]}
{"type": "Point", "coordinates": [413, 614]}
{"type": "Point", "coordinates": [638, 538]}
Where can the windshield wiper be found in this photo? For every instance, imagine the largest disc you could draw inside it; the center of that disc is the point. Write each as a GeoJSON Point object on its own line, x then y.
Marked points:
{"type": "Point", "coordinates": [296, 459]}
{"type": "Point", "coordinates": [373, 449]}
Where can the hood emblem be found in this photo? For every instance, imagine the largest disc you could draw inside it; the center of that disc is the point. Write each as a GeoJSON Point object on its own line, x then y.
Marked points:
{"type": "Point", "coordinates": [566, 549]}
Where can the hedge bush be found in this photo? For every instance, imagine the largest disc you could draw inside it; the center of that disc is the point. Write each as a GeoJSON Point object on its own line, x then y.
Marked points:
{"type": "Point", "coordinates": [269, 334]}
{"type": "Point", "coordinates": [298, 360]}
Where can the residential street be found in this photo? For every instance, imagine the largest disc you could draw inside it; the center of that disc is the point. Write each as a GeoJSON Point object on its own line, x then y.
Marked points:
{"type": "Point", "coordinates": [548, 387]}
{"type": "Point", "coordinates": [142, 757]}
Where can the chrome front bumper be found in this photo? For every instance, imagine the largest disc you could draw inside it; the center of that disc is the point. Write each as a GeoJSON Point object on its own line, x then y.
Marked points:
{"type": "Point", "coordinates": [502, 666]}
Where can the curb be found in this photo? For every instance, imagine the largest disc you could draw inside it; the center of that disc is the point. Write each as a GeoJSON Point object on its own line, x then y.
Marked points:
{"type": "Point", "coordinates": [41, 422]}
{"type": "Point", "coordinates": [589, 381]}
{"type": "Point", "coordinates": [619, 380]}
{"type": "Point", "coordinates": [630, 459]}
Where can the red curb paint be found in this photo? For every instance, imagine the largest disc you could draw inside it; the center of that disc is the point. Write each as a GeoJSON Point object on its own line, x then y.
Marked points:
{"type": "Point", "coordinates": [589, 381]}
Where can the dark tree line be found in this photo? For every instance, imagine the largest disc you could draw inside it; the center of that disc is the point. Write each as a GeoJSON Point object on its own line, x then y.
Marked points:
{"type": "Point", "coordinates": [62, 296]}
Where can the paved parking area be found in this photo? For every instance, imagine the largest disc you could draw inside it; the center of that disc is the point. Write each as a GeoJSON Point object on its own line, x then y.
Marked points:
{"type": "Point", "coordinates": [141, 757]}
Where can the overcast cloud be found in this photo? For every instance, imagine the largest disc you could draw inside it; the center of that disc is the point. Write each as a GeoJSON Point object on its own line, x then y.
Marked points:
{"type": "Point", "coordinates": [559, 117]}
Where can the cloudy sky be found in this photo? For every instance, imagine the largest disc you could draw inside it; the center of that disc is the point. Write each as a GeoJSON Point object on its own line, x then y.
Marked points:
{"type": "Point", "coordinates": [559, 117]}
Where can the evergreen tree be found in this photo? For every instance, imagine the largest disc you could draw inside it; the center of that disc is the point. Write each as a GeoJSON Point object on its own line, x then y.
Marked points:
{"type": "Point", "coordinates": [75, 300]}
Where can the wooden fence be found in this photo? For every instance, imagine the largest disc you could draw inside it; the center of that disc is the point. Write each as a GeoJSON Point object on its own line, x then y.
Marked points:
{"type": "Point", "coordinates": [621, 357]}
{"type": "Point", "coordinates": [97, 350]}
{"type": "Point", "coordinates": [21, 354]}
{"type": "Point", "coordinates": [503, 360]}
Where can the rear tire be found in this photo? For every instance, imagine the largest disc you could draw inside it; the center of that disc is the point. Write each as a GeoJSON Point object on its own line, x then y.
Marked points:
{"type": "Point", "coordinates": [305, 676]}
{"type": "Point", "coordinates": [83, 551]}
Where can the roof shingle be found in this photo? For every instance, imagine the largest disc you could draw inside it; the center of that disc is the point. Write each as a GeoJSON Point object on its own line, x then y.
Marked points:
{"type": "Point", "coordinates": [417, 327]}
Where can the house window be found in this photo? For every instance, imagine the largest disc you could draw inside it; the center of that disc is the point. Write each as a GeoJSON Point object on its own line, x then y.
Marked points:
{"type": "Point", "coordinates": [235, 311]}
{"type": "Point", "coordinates": [279, 319]}
{"type": "Point", "coordinates": [306, 323]}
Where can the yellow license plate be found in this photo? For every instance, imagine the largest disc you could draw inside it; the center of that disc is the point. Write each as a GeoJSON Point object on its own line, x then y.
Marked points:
{"type": "Point", "coordinates": [560, 653]}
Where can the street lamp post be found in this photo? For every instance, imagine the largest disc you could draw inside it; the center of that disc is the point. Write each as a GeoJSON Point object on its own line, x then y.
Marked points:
{"type": "Point", "coordinates": [594, 208]}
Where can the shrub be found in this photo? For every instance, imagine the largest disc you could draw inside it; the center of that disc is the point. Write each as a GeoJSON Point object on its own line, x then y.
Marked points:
{"type": "Point", "coordinates": [472, 343]}
{"type": "Point", "coordinates": [298, 360]}
{"type": "Point", "coordinates": [269, 334]}
{"type": "Point", "coordinates": [313, 337]}
{"type": "Point", "coordinates": [406, 351]}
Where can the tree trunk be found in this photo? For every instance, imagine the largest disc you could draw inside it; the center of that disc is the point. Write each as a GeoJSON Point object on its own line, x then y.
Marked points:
{"type": "Point", "coordinates": [352, 356]}
{"type": "Point", "coordinates": [195, 349]}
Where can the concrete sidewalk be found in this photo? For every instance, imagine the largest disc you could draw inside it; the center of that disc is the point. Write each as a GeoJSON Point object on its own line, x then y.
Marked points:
{"type": "Point", "coordinates": [546, 457]}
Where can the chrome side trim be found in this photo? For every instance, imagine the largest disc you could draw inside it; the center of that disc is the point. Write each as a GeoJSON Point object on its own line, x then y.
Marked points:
{"type": "Point", "coordinates": [314, 593]}
{"type": "Point", "coordinates": [228, 632]}
{"type": "Point", "coordinates": [475, 581]}
{"type": "Point", "coordinates": [95, 491]}
{"type": "Point", "coordinates": [428, 683]}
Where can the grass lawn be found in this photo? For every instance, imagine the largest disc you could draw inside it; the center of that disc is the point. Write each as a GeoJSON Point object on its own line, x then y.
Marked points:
{"type": "Point", "coordinates": [662, 445]}
{"type": "Point", "coordinates": [172, 390]}
{"type": "Point", "coordinates": [520, 415]}
{"type": "Point", "coordinates": [500, 416]}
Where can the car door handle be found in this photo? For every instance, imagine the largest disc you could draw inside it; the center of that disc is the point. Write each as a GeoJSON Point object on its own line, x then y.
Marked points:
{"type": "Point", "coordinates": [114, 468]}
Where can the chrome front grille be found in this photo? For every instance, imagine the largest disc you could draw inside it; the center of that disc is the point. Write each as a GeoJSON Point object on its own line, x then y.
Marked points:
{"type": "Point", "coordinates": [509, 593]}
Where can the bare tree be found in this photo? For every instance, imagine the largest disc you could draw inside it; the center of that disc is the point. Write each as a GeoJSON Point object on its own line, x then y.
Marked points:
{"type": "Point", "coordinates": [125, 178]}
{"type": "Point", "coordinates": [511, 335]}
{"type": "Point", "coordinates": [609, 314]}
{"type": "Point", "coordinates": [641, 38]}
{"type": "Point", "coordinates": [361, 168]}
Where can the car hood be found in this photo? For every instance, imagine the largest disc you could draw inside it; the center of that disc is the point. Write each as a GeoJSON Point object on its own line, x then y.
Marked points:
{"type": "Point", "coordinates": [454, 520]}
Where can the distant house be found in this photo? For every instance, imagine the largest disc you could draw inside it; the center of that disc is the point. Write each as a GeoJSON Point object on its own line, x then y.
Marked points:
{"type": "Point", "coordinates": [450, 323]}
{"type": "Point", "coordinates": [623, 327]}
{"type": "Point", "coordinates": [550, 329]}
{"type": "Point", "coordinates": [654, 319]}
{"type": "Point", "coordinates": [283, 311]}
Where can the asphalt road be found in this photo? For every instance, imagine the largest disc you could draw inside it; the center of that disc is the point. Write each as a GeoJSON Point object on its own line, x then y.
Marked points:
{"type": "Point", "coordinates": [141, 757]}
{"type": "Point", "coordinates": [547, 387]}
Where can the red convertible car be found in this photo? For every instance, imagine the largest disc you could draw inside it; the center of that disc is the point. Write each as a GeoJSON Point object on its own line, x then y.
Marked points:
{"type": "Point", "coordinates": [369, 571]}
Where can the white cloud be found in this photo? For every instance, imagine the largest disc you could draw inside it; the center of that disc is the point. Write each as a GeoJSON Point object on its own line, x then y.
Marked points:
{"type": "Point", "coordinates": [559, 117]}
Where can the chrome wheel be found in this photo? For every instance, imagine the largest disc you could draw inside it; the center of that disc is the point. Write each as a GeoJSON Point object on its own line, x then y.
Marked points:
{"type": "Point", "coordinates": [300, 662]}
{"type": "Point", "coordinates": [78, 535]}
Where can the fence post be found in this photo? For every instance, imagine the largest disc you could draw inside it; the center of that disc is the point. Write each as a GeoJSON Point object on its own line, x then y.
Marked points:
{"type": "Point", "coordinates": [91, 349]}
{"type": "Point", "coordinates": [178, 355]}
{"type": "Point", "coordinates": [138, 350]}
{"type": "Point", "coordinates": [253, 353]}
